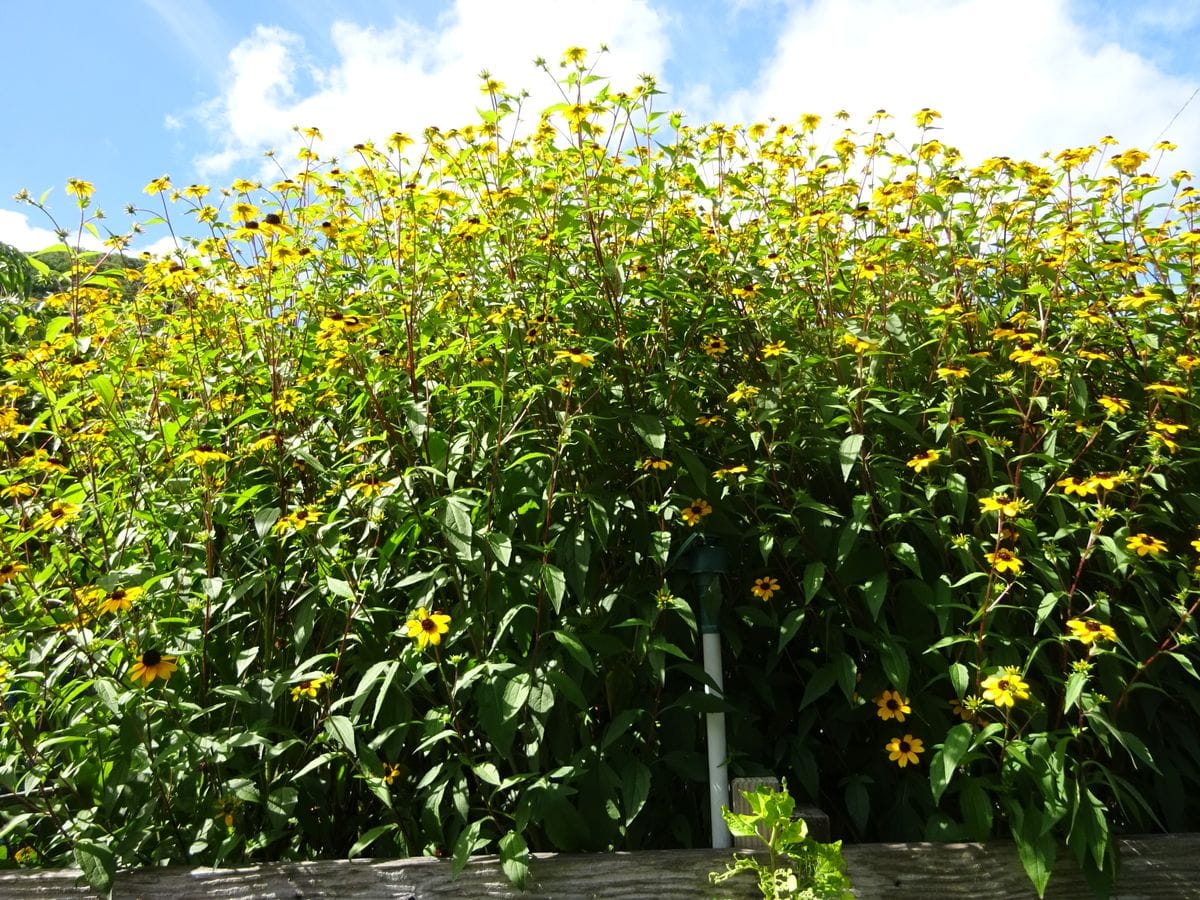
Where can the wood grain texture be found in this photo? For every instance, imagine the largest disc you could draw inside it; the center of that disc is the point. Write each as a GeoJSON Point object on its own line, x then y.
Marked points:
{"type": "Point", "coordinates": [1152, 868]}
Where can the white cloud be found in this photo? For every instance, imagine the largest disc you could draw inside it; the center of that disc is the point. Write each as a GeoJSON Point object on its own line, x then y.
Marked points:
{"type": "Point", "coordinates": [404, 78]}
{"type": "Point", "coordinates": [1017, 78]}
{"type": "Point", "coordinates": [17, 231]}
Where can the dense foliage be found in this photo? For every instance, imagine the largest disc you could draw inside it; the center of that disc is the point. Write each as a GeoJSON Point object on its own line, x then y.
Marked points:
{"type": "Point", "coordinates": [357, 526]}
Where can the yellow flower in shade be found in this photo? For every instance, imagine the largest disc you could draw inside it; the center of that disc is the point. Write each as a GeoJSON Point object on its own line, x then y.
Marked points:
{"type": "Point", "coordinates": [923, 461]}
{"type": "Point", "coordinates": [1144, 544]}
{"type": "Point", "coordinates": [59, 515]}
{"type": "Point", "coordinates": [1004, 560]}
{"type": "Point", "coordinates": [892, 706]}
{"type": "Point", "coordinates": [427, 628]}
{"type": "Point", "coordinates": [953, 372]}
{"type": "Point", "coordinates": [1071, 486]}
{"type": "Point", "coordinates": [655, 462]}
{"type": "Point", "coordinates": [905, 750]}
{"type": "Point", "coordinates": [1114, 406]}
{"type": "Point", "coordinates": [777, 348]}
{"type": "Point", "coordinates": [695, 511]}
{"type": "Point", "coordinates": [725, 471]}
{"type": "Point", "coordinates": [151, 665]}
{"type": "Point", "coordinates": [391, 771]}
{"type": "Point", "coordinates": [575, 355]}
{"type": "Point", "coordinates": [120, 599]}
{"type": "Point", "coordinates": [1001, 504]}
{"type": "Point", "coordinates": [706, 421]}
{"type": "Point", "coordinates": [764, 588]}
{"type": "Point", "coordinates": [368, 486]}
{"type": "Point", "coordinates": [967, 709]}
{"type": "Point", "coordinates": [1167, 427]}
{"type": "Point", "coordinates": [1088, 630]}
{"type": "Point", "coordinates": [1005, 687]}
{"type": "Point", "coordinates": [743, 392]}
{"type": "Point", "coordinates": [715, 345]}
{"type": "Point", "coordinates": [1165, 387]}
{"type": "Point", "coordinates": [1104, 480]}
{"type": "Point", "coordinates": [310, 687]}
{"type": "Point", "coordinates": [10, 570]}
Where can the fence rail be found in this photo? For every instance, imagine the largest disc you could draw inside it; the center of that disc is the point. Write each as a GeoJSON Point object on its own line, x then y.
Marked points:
{"type": "Point", "coordinates": [1152, 868]}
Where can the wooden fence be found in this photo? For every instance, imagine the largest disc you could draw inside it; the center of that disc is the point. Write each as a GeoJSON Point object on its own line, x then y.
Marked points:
{"type": "Point", "coordinates": [1152, 868]}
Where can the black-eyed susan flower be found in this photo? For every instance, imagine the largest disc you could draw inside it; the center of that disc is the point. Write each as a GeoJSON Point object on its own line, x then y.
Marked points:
{"type": "Point", "coordinates": [79, 188]}
{"type": "Point", "coordinates": [150, 665]}
{"type": "Point", "coordinates": [575, 355]}
{"type": "Point", "coordinates": [1114, 406]}
{"type": "Point", "coordinates": [905, 750]}
{"type": "Point", "coordinates": [775, 348]}
{"type": "Point", "coordinates": [891, 705]}
{"type": "Point", "coordinates": [391, 771]}
{"type": "Point", "coordinates": [1005, 687]}
{"type": "Point", "coordinates": [10, 570]}
{"type": "Point", "coordinates": [655, 462]}
{"type": "Point", "coordinates": [714, 345]}
{"type": "Point", "coordinates": [1144, 544]}
{"type": "Point", "coordinates": [953, 372]}
{"type": "Point", "coordinates": [310, 687]}
{"type": "Point", "coordinates": [728, 471]}
{"type": "Point", "coordinates": [1104, 480]}
{"type": "Point", "coordinates": [742, 392]}
{"type": "Point", "coordinates": [695, 511]}
{"type": "Point", "coordinates": [856, 343]}
{"type": "Point", "coordinates": [708, 421]}
{"type": "Point", "coordinates": [58, 515]}
{"type": "Point", "coordinates": [764, 588]}
{"type": "Point", "coordinates": [1004, 560]}
{"type": "Point", "coordinates": [1002, 504]}
{"type": "Point", "coordinates": [923, 461]}
{"type": "Point", "coordinates": [119, 599]}
{"type": "Point", "coordinates": [1089, 631]}
{"type": "Point", "coordinates": [1166, 387]}
{"type": "Point", "coordinates": [202, 454]}
{"type": "Point", "coordinates": [296, 521]}
{"type": "Point", "coordinates": [427, 628]}
{"type": "Point", "coordinates": [1079, 488]}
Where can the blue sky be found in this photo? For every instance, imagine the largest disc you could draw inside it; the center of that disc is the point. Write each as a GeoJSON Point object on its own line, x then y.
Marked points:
{"type": "Point", "coordinates": [119, 93]}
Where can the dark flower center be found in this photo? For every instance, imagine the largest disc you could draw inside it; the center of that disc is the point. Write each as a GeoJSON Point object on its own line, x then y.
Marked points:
{"type": "Point", "coordinates": [905, 746]}
{"type": "Point", "coordinates": [1003, 684]}
{"type": "Point", "coordinates": [428, 625]}
{"type": "Point", "coordinates": [118, 594]}
{"type": "Point", "coordinates": [893, 705]}
{"type": "Point", "coordinates": [272, 219]}
{"type": "Point", "coordinates": [1092, 626]}
{"type": "Point", "coordinates": [151, 658]}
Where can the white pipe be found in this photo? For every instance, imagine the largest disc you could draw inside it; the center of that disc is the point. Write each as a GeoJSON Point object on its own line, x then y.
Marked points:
{"type": "Point", "coordinates": [718, 774]}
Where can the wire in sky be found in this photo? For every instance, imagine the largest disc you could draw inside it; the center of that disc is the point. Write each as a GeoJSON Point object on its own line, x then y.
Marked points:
{"type": "Point", "coordinates": [1177, 115]}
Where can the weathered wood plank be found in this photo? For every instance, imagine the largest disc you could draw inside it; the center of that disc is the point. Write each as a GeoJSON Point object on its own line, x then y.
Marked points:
{"type": "Point", "coordinates": [1153, 868]}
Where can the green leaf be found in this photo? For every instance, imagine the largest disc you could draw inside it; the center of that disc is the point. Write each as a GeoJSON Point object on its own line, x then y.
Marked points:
{"type": "Point", "coordinates": [578, 652]}
{"type": "Point", "coordinates": [650, 429]}
{"type": "Point", "coordinates": [635, 788]}
{"type": "Point", "coordinates": [371, 837]}
{"type": "Point", "coordinates": [1075, 685]}
{"type": "Point", "coordinates": [339, 588]}
{"type": "Point", "coordinates": [960, 678]}
{"type": "Point", "coordinates": [341, 730]}
{"type": "Point", "coordinates": [555, 584]}
{"type": "Point", "coordinates": [848, 454]}
{"type": "Point", "coordinates": [1035, 845]}
{"type": "Point", "coordinates": [814, 576]}
{"type": "Point", "coordinates": [468, 842]}
{"type": "Point", "coordinates": [948, 758]}
{"type": "Point", "coordinates": [98, 863]}
{"type": "Point", "coordinates": [514, 859]}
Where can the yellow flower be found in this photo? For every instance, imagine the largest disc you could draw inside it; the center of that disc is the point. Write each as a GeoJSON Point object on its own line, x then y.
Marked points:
{"type": "Point", "coordinates": [151, 665]}
{"type": "Point", "coordinates": [120, 599]}
{"type": "Point", "coordinates": [892, 706]}
{"type": "Point", "coordinates": [764, 588]}
{"type": "Point", "coordinates": [857, 344]}
{"type": "Point", "coordinates": [706, 421]}
{"type": "Point", "coordinates": [1144, 544]}
{"type": "Point", "coordinates": [1187, 361]}
{"type": "Point", "coordinates": [575, 355]}
{"type": "Point", "coordinates": [158, 185]}
{"type": "Point", "coordinates": [427, 628]}
{"type": "Point", "coordinates": [574, 55]}
{"type": "Point", "coordinates": [1071, 486]}
{"type": "Point", "coordinates": [59, 515]}
{"type": "Point", "coordinates": [1005, 687]}
{"type": "Point", "coordinates": [1004, 560]}
{"type": "Point", "coordinates": [695, 511]}
{"type": "Point", "coordinates": [715, 345]}
{"type": "Point", "coordinates": [953, 372]}
{"type": "Point", "coordinates": [655, 462]}
{"type": "Point", "coordinates": [903, 751]}
{"type": "Point", "coordinates": [80, 188]}
{"type": "Point", "coordinates": [1001, 504]}
{"type": "Point", "coordinates": [391, 771]}
{"type": "Point", "coordinates": [1113, 405]}
{"type": "Point", "coordinates": [725, 471]}
{"type": "Point", "coordinates": [1167, 427]}
{"type": "Point", "coordinates": [1103, 480]}
{"type": "Point", "coordinates": [204, 453]}
{"type": "Point", "coordinates": [923, 461]}
{"type": "Point", "coordinates": [368, 486]}
{"type": "Point", "coordinates": [1089, 630]}
{"type": "Point", "coordinates": [296, 521]}
{"type": "Point", "coordinates": [742, 392]}
{"type": "Point", "coordinates": [10, 570]}
{"type": "Point", "coordinates": [924, 118]}
{"type": "Point", "coordinates": [776, 348]}
{"type": "Point", "coordinates": [18, 490]}
{"type": "Point", "coordinates": [1165, 387]}
{"type": "Point", "coordinates": [310, 687]}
